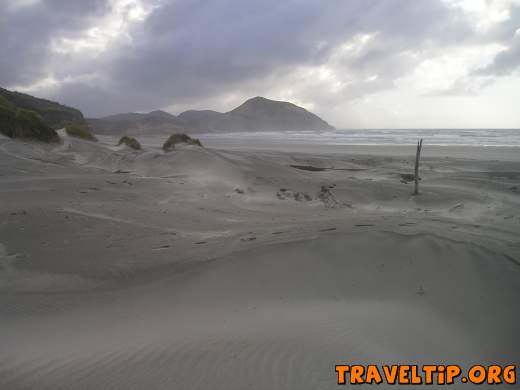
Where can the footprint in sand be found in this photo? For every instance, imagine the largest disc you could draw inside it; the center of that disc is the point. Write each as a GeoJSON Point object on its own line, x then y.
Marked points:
{"type": "Point", "coordinates": [457, 207]}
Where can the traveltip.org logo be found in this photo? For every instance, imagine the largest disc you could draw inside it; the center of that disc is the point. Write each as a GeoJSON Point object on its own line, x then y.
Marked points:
{"type": "Point", "coordinates": [430, 374]}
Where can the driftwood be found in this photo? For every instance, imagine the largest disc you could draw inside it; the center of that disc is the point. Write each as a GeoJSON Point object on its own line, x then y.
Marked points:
{"type": "Point", "coordinates": [417, 160]}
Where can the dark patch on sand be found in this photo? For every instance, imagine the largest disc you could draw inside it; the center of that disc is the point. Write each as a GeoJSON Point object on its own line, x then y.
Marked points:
{"type": "Point", "coordinates": [512, 260]}
{"type": "Point", "coordinates": [328, 229]}
{"type": "Point", "coordinates": [312, 168]}
{"type": "Point", "coordinates": [286, 194]}
{"type": "Point", "coordinates": [308, 168]}
{"type": "Point", "coordinates": [407, 177]}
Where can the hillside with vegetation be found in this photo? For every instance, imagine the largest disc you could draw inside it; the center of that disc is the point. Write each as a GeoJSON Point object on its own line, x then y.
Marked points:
{"type": "Point", "coordinates": [256, 114]}
{"type": "Point", "coordinates": [52, 113]}
{"type": "Point", "coordinates": [16, 122]}
{"type": "Point", "coordinates": [155, 122]}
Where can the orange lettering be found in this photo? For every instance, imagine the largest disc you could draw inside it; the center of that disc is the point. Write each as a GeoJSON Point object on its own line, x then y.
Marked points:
{"type": "Point", "coordinates": [510, 375]}
{"type": "Point", "coordinates": [477, 374]}
{"type": "Point", "coordinates": [356, 374]}
{"type": "Point", "coordinates": [428, 371]}
{"type": "Point", "coordinates": [441, 378]}
{"type": "Point", "coordinates": [452, 372]}
{"type": "Point", "coordinates": [403, 375]}
{"type": "Point", "coordinates": [342, 370]}
{"type": "Point", "coordinates": [494, 375]}
{"type": "Point", "coordinates": [373, 375]}
{"type": "Point", "coordinates": [416, 379]}
{"type": "Point", "coordinates": [390, 374]}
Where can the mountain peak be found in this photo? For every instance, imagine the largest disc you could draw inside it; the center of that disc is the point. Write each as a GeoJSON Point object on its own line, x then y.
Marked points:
{"type": "Point", "coordinates": [161, 114]}
{"type": "Point", "coordinates": [262, 105]}
{"type": "Point", "coordinates": [255, 114]}
{"type": "Point", "coordinates": [258, 99]}
{"type": "Point", "coordinates": [260, 113]}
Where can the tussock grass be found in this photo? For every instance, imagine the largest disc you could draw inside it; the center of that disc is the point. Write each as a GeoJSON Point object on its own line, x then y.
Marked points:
{"type": "Point", "coordinates": [175, 139]}
{"type": "Point", "coordinates": [131, 142]}
{"type": "Point", "coordinates": [26, 124]}
{"type": "Point", "coordinates": [79, 130]}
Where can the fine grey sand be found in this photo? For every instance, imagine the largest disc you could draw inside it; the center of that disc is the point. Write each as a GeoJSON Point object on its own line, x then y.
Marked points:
{"type": "Point", "coordinates": [226, 268]}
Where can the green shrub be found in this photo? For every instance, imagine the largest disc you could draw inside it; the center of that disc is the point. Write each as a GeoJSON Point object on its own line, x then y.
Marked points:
{"type": "Point", "coordinates": [53, 114]}
{"type": "Point", "coordinates": [174, 139]}
{"type": "Point", "coordinates": [20, 123]}
{"type": "Point", "coordinates": [131, 142]}
{"type": "Point", "coordinates": [6, 104]}
{"type": "Point", "coordinates": [79, 130]}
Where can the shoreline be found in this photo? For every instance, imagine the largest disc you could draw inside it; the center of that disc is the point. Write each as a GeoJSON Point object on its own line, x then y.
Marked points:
{"type": "Point", "coordinates": [502, 153]}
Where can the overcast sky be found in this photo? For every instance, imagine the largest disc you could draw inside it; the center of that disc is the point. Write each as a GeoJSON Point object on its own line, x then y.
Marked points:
{"type": "Point", "coordinates": [356, 63]}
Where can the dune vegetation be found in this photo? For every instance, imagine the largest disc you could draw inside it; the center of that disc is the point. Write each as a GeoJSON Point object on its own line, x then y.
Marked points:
{"type": "Point", "coordinates": [17, 122]}
{"type": "Point", "coordinates": [131, 142]}
{"type": "Point", "coordinates": [51, 113]}
{"type": "Point", "coordinates": [175, 139]}
{"type": "Point", "coordinates": [79, 130]}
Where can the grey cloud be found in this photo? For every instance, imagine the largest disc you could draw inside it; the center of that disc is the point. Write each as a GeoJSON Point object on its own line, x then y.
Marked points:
{"type": "Point", "coordinates": [193, 49]}
{"type": "Point", "coordinates": [506, 62]}
{"type": "Point", "coordinates": [27, 32]}
{"type": "Point", "coordinates": [508, 33]}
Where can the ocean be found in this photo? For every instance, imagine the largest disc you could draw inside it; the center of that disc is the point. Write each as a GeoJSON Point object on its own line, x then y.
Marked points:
{"type": "Point", "coordinates": [439, 137]}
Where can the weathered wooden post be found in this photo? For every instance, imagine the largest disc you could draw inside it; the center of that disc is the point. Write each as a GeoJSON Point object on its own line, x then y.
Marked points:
{"type": "Point", "coordinates": [416, 175]}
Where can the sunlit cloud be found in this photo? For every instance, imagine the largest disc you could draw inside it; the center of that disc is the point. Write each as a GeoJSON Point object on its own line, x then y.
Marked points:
{"type": "Point", "coordinates": [485, 14]}
{"type": "Point", "coordinates": [113, 27]}
{"type": "Point", "coordinates": [356, 63]}
{"type": "Point", "coordinates": [438, 73]}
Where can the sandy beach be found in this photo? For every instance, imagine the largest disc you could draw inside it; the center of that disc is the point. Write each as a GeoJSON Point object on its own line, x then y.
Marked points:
{"type": "Point", "coordinates": [251, 267]}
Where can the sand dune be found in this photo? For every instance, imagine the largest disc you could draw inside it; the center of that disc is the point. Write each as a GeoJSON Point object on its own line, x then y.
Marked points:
{"type": "Point", "coordinates": [193, 161]}
{"type": "Point", "coordinates": [165, 276]}
{"type": "Point", "coordinates": [278, 317]}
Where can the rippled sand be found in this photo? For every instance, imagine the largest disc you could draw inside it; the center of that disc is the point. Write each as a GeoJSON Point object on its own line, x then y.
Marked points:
{"type": "Point", "coordinates": [166, 277]}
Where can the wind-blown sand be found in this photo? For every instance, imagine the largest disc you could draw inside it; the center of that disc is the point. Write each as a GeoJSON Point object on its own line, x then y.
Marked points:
{"type": "Point", "coordinates": [209, 268]}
